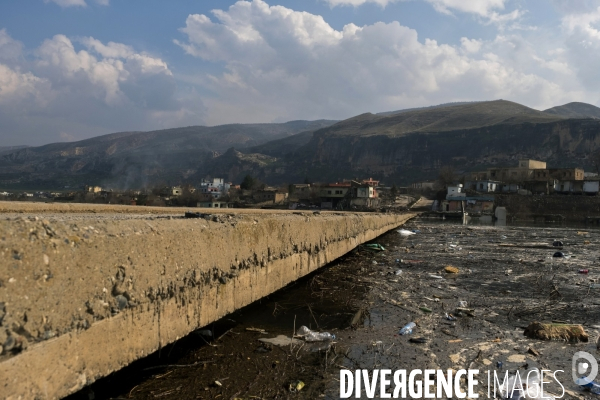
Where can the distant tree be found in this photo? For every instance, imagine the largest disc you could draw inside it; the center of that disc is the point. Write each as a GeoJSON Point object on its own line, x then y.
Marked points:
{"type": "Point", "coordinates": [291, 188]}
{"type": "Point", "coordinates": [306, 181]}
{"type": "Point", "coordinates": [447, 176]}
{"type": "Point", "coordinates": [248, 183]}
{"type": "Point", "coordinates": [394, 191]}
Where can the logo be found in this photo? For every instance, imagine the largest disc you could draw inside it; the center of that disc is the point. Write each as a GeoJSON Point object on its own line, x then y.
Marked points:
{"type": "Point", "coordinates": [584, 368]}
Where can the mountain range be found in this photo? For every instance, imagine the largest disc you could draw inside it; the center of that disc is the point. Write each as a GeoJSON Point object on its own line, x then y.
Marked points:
{"type": "Point", "coordinates": [398, 147]}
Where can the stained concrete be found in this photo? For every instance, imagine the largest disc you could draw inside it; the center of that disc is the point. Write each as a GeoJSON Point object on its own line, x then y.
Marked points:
{"type": "Point", "coordinates": [87, 290]}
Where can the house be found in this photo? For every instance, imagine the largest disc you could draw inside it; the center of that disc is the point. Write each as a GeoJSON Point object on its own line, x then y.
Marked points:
{"type": "Point", "coordinates": [214, 204]}
{"type": "Point", "coordinates": [591, 187]}
{"type": "Point", "coordinates": [301, 188]}
{"type": "Point", "coordinates": [273, 196]}
{"type": "Point", "coordinates": [335, 190]}
{"type": "Point", "coordinates": [93, 189]}
{"type": "Point", "coordinates": [455, 191]}
{"type": "Point", "coordinates": [429, 185]}
{"type": "Point", "coordinates": [471, 205]}
{"type": "Point", "coordinates": [483, 186]}
{"type": "Point", "coordinates": [370, 182]}
{"type": "Point", "coordinates": [364, 194]}
{"type": "Point", "coordinates": [217, 187]}
{"type": "Point", "coordinates": [176, 191]}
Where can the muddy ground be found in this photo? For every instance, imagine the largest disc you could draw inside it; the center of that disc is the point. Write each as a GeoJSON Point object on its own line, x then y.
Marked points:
{"type": "Point", "coordinates": [507, 275]}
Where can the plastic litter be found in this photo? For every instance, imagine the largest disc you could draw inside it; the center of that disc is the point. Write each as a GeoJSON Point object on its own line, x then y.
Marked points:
{"type": "Point", "coordinates": [398, 272]}
{"type": "Point", "coordinates": [436, 276]}
{"type": "Point", "coordinates": [405, 233]}
{"type": "Point", "coordinates": [584, 271]}
{"type": "Point", "coordinates": [425, 309]}
{"type": "Point", "coordinates": [418, 340]}
{"type": "Point", "coordinates": [559, 254]}
{"type": "Point", "coordinates": [374, 262]}
{"type": "Point", "coordinates": [312, 336]}
{"type": "Point", "coordinates": [463, 304]}
{"type": "Point", "coordinates": [557, 243]}
{"type": "Point", "coordinates": [374, 247]}
{"type": "Point", "coordinates": [450, 317]}
{"type": "Point", "coordinates": [451, 270]}
{"type": "Point", "coordinates": [407, 329]}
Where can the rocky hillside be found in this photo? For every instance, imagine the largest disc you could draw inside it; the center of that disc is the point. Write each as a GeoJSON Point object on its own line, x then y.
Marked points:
{"type": "Point", "coordinates": [575, 110]}
{"type": "Point", "coordinates": [134, 159]}
{"type": "Point", "coordinates": [399, 147]}
{"type": "Point", "coordinates": [411, 146]}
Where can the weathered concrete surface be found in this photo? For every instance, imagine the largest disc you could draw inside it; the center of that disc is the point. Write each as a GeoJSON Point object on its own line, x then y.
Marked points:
{"type": "Point", "coordinates": [86, 294]}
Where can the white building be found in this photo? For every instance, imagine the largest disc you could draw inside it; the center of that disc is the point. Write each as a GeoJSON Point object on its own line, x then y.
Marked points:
{"type": "Point", "coordinates": [455, 191]}
{"type": "Point", "coordinates": [591, 187]}
{"type": "Point", "coordinates": [216, 188]}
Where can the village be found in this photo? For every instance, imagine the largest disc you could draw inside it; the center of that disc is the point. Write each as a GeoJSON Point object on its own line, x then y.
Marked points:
{"type": "Point", "coordinates": [476, 194]}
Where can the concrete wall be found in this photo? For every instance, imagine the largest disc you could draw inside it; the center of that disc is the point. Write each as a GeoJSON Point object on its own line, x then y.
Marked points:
{"type": "Point", "coordinates": [86, 294]}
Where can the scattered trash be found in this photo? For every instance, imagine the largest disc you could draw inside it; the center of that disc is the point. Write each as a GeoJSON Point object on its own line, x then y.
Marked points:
{"type": "Point", "coordinates": [405, 233]}
{"type": "Point", "coordinates": [280, 340]}
{"type": "Point", "coordinates": [582, 233]}
{"type": "Point", "coordinates": [436, 276]}
{"type": "Point", "coordinates": [407, 329]}
{"type": "Point", "coordinates": [584, 271]}
{"type": "Point", "coordinates": [508, 272]}
{"type": "Point", "coordinates": [559, 254]}
{"type": "Point", "coordinates": [312, 336]}
{"type": "Point", "coordinates": [418, 340]}
{"type": "Point", "coordinates": [595, 286]}
{"type": "Point", "coordinates": [398, 272]}
{"type": "Point", "coordinates": [463, 304]}
{"type": "Point", "coordinates": [373, 247]}
{"type": "Point", "coordinates": [586, 242]}
{"type": "Point", "coordinates": [296, 386]}
{"type": "Point", "coordinates": [570, 333]}
{"type": "Point", "coordinates": [425, 309]}
{"type": "Point", "coordinates": [374, 262]}
{"type": "Point", "coordinates": [451, 270]}
{"type": "Point", "coordinates": [398, 260]}
{"type": "Point", "coordinates": [499, 365]}
{"type": "Point", "coordinates": [503, 237]}
{"type": "Point", "coordinates": [218, 383]}
{"type": "Point", "coordinates": [557, 243]}
{"type": "Point", "coordinates": [259, 330]}
{"type": "Point", "coordinates": [450, 317]}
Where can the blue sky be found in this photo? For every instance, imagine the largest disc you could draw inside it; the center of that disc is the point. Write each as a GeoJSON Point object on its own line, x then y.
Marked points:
{"type": "Point", "coordinates": [74, 69]}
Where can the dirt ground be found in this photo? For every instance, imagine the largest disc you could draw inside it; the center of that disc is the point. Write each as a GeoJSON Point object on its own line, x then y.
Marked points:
{"type": "Point", "coordinates": [507, 276]}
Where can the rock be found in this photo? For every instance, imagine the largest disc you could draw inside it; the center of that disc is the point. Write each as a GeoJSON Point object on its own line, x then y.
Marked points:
{"type": "Point", "coordinates": [122, 302]}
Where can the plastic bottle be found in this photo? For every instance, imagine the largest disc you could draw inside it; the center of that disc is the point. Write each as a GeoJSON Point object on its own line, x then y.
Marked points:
{"type": "Point", "coordinates": [407, 329]}
{"type": "Point", "coordinates": [312, 336]}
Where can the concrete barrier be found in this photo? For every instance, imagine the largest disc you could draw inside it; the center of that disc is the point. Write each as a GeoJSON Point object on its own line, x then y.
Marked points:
{"type": "Point", "coordinates": [86, 290]}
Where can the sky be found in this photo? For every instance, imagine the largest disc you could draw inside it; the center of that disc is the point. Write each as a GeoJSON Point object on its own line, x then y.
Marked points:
{"type": "Point", "coordinates": [75, 69]}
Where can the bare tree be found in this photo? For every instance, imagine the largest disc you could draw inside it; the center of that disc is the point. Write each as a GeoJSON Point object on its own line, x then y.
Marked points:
{"type": "Point", "coordinates": [447, 176]}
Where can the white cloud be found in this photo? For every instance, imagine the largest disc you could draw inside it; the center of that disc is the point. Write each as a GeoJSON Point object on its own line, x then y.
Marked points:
{"type": "Point", "coordinates": [68, 3]}
{"type": "Point", "coordinates": [471, 45]}
{"type": "Point", "coordinates": [101, 88]}
{"type": "Point", "coordinates": [356, 3]}
{"type": "Point", "coordinates": [103, 2]}
{"type": "Point", "coordinates": [282, 64]}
